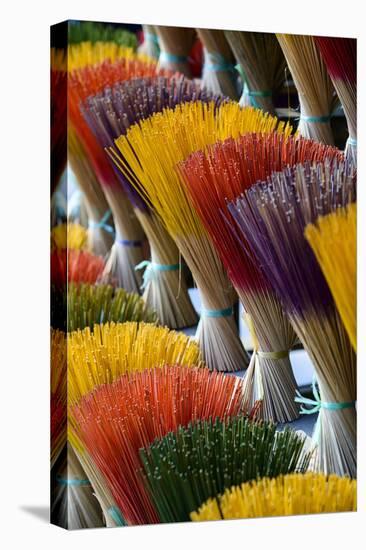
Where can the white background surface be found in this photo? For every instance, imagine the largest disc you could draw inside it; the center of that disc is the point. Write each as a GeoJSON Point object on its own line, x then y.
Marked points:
{"type": "Point", "coordinates": [24, 359]}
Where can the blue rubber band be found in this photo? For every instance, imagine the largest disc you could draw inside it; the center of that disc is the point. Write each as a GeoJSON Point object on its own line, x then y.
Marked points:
{"type": "Point", "coordinates": [77, 482]}
{"type": "Point", "coordinates": [227, 312]}
{"type": "Point", "coordinates": [102, 223]}
{"type": "Point", "coordinates": [352, 142]}
{"type": "Point", "coordinates": [216, 63]}
{"type": "Point", "coordinates": [172, 58]}
{"type": "Point", "coordinates": [151, 37]}
{"type": "Point", "coordinates": [127, 242]}
{"type": "Point", "coordinates": [317, 404]}
{"type": "Point", "coordinates": [321, 119]}
{"type": "Point", "coordinates": [116, 515]}
{"type": "Point", "coordinates": [152, 267]}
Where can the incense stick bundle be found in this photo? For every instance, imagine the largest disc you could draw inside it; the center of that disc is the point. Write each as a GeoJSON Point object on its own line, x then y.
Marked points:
{"type": "Point", "coordinates": [333, 240]}
{"type": "Point", "coordinates": [100, 230]}
{"type": "Point", "coordinates": [221, 173]}
{"type": "Point", "coordinates": [287, 495]}
{"type": "Point", "coordinates": [188, 466]}
{"type": "Point", "coordinates": [90, 31]}
{"type": "Point", "coordinates": [150, 45]}
{"type": "Point", "coordinates": [58, 115]}
{"type": "Point", "coordinates": [272, 217]}
{"type": "Point", "coordinates": [74, 506]}
{"type": "Point", "coordinates": [218, 75]}
{"type": "Point", "coordinates": [175, 45]}
{"type": "Point", "coordinates": [315, 89]}
{"type": "Point", "coordinates": [69, 235]}
{"type": "Point", "coordinates": [88, 54]}
{"type": "Point", "coordinates": [340, 57]}
{"type": "Point", "coordinates": [110, 114]}
{"type": "Point", "coordinates": [116, 420]}
{"type": "Point", "coordinates": [127, 251]}
{"type": "Point", "coordinates": [149, 154]}
{"type": "Point", "coordinates": [115, 349]}
{"type": "Point", "coordinates": [58, 394]}
{"type": "Point", "coordinates": [261, 64]}
{"type": "Point", "coordinates": [88, 305]}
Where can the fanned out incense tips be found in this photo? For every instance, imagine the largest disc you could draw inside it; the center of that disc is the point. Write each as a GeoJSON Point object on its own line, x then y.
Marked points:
{"type": "Point", "coordinates": [148, 156]}
{"type": "Point", "coordinates": [114, 349]}
{"type": "Point", "coordinates": [220, 174]}
{"type": "Point", "coordinates": [261, 65]}
{"type": "Point", "coordinates": [100, 227]}
{"type": "Point", "coordinates": [272, 217]}
{"type": "Point", "coordinates": [58, 115]}
{"type": "Point", "coordinates": [78, 266]}
{"type": "Point", "coordinates": [88, 305]}
{"type": "Point", "coordinates": [218, 73]}
{"type": "Point", "coordinates": [333, 240]}
{"type": "Point", "coordinates": [127, 250]}
{"type": "Point", "coordinates": [90, 31]}
{"type": "Point", "coordinates": [58, 394]}
{"type": "Point", "coordinates": [69, 235]}
{"type": "Point", "coordinates": [150, 45]}
{"type": "Point", "coordinates": [88, 53]}
{"type": "Point", "coordinates": [194, 463]}
{"type": "Point", "coordinates": [110, 114]}
{"type": "Point", "coordinates": [315, 89]}
{"type": "Point", "coordinates": [287, 495]}
{"type": "Point", "coordinates": [113, 422]}
{"type": "Point", "coordinates": [175, 46]}
{"type": "Point", "coordinates": [340, 57]}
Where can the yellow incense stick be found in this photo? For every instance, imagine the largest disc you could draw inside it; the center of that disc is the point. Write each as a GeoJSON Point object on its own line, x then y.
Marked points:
{"type": "Point", "coordinates": [153, 147]}
{"type": "Point", "coordinates": [287, 495]}
{"type": "Point", "coordinates": [113, 349]}
{"type": "Point", "coordinates": [333, 240]}
{"type": "Point", "coordinates": [72, 236]}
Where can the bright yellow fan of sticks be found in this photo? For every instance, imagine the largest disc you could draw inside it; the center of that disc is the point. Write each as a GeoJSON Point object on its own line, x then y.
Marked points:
{"type": "Point", "coordinates": [113, 349]}
{"type": "Point", "coordinates": [292, 494]}
{"type": "Point", "coordinates": [153, 147]}
{"type": "Point", "coordinates": [333, 240]}
{"type": "Point", "coordinates": [72, 236]}
{"type": "Point", "coordinates": [92, 53]}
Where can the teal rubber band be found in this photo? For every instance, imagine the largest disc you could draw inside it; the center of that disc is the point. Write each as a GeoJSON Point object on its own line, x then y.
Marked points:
{"type": "Point", "coordinates": [102, 223]}
{"type": "Point", "coordinates": [322, 119]}
{"type": "Point", "coordinates": [151, 37]}
{"type": "Point", "coordinates": [352, 142]}
{"type": "Point", "coordinates": [215, 62]}
{"type": "Point", "coordinates": [227, 312]}
{"type": "Point", "coordinates": [172, 58]}
{"type": "Point", "coordinates": [116, 515]}
{"type": "Point", "coordinates": [75, 482]}
{"type": "Point", "coordinates": [152, 267]}
{"type": "Point", "coordinates": [317, 404]}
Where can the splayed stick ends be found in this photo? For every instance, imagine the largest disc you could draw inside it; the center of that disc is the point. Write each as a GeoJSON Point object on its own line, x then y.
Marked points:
{"type": "Point", "coordinates": [287, 495]}
{"type": "Point", "coordinates": [272, 216]}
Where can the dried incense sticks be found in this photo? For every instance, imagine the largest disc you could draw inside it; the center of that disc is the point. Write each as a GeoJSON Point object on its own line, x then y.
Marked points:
{"type": "Point", "coordinates": [282, 496]}
{"type": "Point", "coordinates": [175, 45]}
{"type": "Point", "coordinates": [272, 217]}
{"type": "Point", "coordinates": [218, 74]}
{"type": "Point", "coordinates": [162, 141]}
{"type": "Point", "coordinates": [315, 89]}
{"type": "Point", "coordinates": [221, 173]}
{"type": "Point", "coordinates": [110, 114]}
{"type": "Point", "coordinates": [101, 356]}
{"type": "Point", "coordinates": [88, 305]}
{"type": "Point", "coordinates": [116, 420]}
{"type": "Point", "coordinates": [340, 57]}
{"type": "Point", "coordinates": [185, 468]}
{"type": "Point", "coordinates": [58, 394]}
{"type": "Point", "coordinates": [75, 265]}
{"type": "Point", "coordinates": [261, 65]}
{"type": "Point", "coordinates": [88, 31]}
{"type": "Point", "coordinates": [333, 240]}
{"type": "Point", "coordinates": [100, 229]}
{"type": "Point", "coordinates": [150, 45]}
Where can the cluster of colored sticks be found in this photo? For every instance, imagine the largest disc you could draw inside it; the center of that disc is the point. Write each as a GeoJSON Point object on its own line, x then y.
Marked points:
{"type": "Point", "coordinates": [181, 185]}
